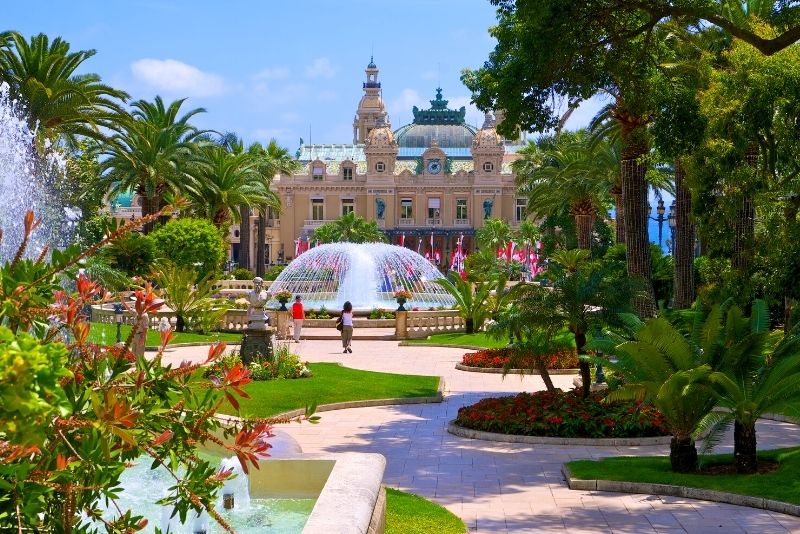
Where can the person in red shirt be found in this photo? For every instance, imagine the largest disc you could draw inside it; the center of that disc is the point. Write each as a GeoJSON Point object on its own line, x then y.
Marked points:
{"type": "Point", "coordinates": [298, 314]}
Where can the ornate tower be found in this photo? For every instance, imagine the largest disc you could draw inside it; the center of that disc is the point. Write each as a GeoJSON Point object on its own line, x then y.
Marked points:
{"type": "Point", "coordinates": [371, 107]}
{"type": "Point", "coordinates": [487, 148]}
{"type": "Point", "coordinates": [381, 150]}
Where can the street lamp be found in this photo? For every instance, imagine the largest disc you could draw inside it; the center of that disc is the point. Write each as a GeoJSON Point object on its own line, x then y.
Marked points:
{"type": "Point", "coordinates": [659, 218]}
{"type": "Point", "coordinates": [118, 308]}
{"type": "Point", "coordinates": [673, 222]}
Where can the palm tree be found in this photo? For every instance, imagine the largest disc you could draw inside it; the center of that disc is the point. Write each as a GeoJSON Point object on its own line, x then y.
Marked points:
{"type": "Point", "coordinates": [61, 102]}
{"type": "Point", "coordinates": [270, 161]}
{"type": "Point", "coordinates": [154, 153]}
{"type": "Point", "coordinates": [493, 235]}
{"type": "Point", "coordinates": [471, 299]}
{"type": "Point", "coordinates": [585, 297]}
{"type": "Point", "coordinates": [567, 174]}
{"type": "Point", "coordinates": [350, 228]}
{"type": "Point", "coordinates": [228, 181]}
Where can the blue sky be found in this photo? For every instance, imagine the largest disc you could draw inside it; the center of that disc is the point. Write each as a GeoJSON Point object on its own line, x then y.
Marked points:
{"type": "Point", "coordinates": [277, 69]}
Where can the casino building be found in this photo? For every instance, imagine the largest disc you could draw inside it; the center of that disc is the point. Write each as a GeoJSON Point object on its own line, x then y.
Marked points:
{"type": "Point", "coordinates": [427, 184]}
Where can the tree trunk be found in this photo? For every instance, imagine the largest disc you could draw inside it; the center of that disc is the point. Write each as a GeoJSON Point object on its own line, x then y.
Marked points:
{"type": "Point", "coordinates": [583, 228]}
{"type": "Point", "coordinates": [244, 237]}
{"type": "Point", "coordinates": [585, 369]}
{"type": "Point", "coordinates": [683, 247]}
{"type": "Point", "coordinates": [683, 455]}
{"type": "Point", "coordinates": [180, 323]}
{"type": "Point", "coordinates": [634, 199]}
{"type": "Point", "coordinates": [469, 325]}
{"type": "Point", "coordinates": [744, 448]}
{"type": "Point", "coordinates": [744, 225]}
{"type": "Point", "coordinates": [545, 374]}
{"type": "Point", "coordinates": [150, 205]}
{"type": "Point", "coordinates": [261, 236]}
{"type": "Point", "coordinates": [619, 213]}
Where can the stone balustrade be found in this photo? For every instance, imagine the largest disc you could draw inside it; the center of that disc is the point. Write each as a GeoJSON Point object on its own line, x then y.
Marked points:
{"type": "Point", "coordinates": [421, 324]}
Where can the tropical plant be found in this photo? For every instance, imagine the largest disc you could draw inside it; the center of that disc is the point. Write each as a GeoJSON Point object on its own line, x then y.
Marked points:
{"type": "Point", "coordinates": [195, 243]}
{"type": "Point", "coordinates": [349, 228]}
{"type": "Point", "coordinates": [568, 174]}
{"type": "Point", "coordinates": [471, 302]}
{"type": "Point", "coordinates": [226, 182]}
{"type": "Point", "coordinates": [76, 415]}
{"type": "Point", "coordinates": [189, 297]}
{"type": "Point", "coordinates": [132, 253]}
{"type": "Point", "coordinates": [493, 235]}
{"type": "Point", "coordinates": [155, 153]}
{"type": "Point", "coordinates": [59, 102]}
{"type": "Point", "coordinates": [663, 367]}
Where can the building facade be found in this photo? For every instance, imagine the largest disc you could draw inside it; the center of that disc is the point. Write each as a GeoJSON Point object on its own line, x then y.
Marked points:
{"type": "Point", "coordinates": [427, 184]}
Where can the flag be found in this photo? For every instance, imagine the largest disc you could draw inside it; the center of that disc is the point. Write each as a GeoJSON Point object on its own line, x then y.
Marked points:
{"type": "Point", "coordinates": [296, 247]}
{"type": "Point", "coordinates": [402, 240]}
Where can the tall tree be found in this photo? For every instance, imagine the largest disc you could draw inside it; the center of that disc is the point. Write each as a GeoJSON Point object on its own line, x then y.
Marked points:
{"type": "Point", "coordinates": [350, 228]}
{"type": "Point", "coordinates": [154, 153]}
{"type": "Point", "coordinates": [493, 235]}
{"type": "Point", "coordinates": [60, 102]}
{"type": "Point", "coordinates": [568, 174]}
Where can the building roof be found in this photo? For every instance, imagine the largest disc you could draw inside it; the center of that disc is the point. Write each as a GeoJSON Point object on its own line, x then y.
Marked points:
{"type": "Point", "coordinates": [438, 122]}
{"type": "Point", "coordinates": [332, 152]}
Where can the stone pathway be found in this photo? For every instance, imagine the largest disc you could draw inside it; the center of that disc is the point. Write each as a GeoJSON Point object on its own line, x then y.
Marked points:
{"type": "Point", "coordinates": [503, 487]}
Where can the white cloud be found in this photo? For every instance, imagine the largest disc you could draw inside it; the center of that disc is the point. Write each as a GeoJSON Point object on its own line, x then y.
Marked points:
{"type": "Point", "coordinates": [407, 99]}
{"type": "Point", "coordinates": [272, 73]}
{"type": "Point", "coordinates": [173, 76]}
{"type": "Point", "coordinates": [321, 68]}
{"type": "Point", "coordinates": [473, 116]}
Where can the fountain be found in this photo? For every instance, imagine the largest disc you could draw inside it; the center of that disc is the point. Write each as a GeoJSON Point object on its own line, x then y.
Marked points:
{"type": "Point", "coordinates": [365, 274]}
{"type": "Point", "coordinates": [29, 181]}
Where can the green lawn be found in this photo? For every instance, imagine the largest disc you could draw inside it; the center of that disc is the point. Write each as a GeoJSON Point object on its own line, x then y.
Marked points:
{"type": "Point", "coordinates": [96, 335]}
{"type": "Point", "coordinates": [330, 383]}
{"type": "Point", "coordinates": [782, 485]}
{"type": "Point", "coordinates": [477, 340]}
{"type": "Point", "coordinates": [407, 513]}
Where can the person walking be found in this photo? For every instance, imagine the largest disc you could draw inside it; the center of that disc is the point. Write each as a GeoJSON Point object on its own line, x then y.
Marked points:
{"type": "Point", "coordinates": [347, 327]}
{"type": "Point", "coordinates": [298, 314]}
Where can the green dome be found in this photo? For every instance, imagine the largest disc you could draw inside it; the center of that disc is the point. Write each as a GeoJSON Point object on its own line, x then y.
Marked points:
{"type": "Point", "coordinates": [124, 200]}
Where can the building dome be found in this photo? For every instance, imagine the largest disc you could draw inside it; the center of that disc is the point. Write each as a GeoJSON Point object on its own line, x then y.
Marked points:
{"type": "Point", "coordinates": [445, 125]}
{"type": "Point", "coordinates": [381, 135]}
{"type": "Point", "coordinates": [487, 136]}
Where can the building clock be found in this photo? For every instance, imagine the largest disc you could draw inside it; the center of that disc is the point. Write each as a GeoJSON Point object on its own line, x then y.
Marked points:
{"type": "Point", "coordinates": [434, 166]}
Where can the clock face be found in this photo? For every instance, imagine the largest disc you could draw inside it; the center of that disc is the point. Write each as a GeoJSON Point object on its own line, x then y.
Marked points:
{"type": "Point", "coordinates": [434, 166]}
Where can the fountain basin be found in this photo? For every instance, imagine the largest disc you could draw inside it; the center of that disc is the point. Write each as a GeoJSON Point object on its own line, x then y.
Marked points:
{"type": "Point", "coordinates": [367, 275]}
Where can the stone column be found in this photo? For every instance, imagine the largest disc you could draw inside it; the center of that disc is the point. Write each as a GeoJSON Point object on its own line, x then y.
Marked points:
{"type": "Point", "coordinates": [283, 324]}
{"type": "Point", "coordinates": [401, 324]}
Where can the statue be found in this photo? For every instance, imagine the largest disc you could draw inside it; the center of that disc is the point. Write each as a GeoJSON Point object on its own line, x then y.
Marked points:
{"type": "Point", "coordinates": [256, 317]}
{"type": "Point", "coordinates": [380, 207]}
{"type": "Point", "coordinates": [487, 208]}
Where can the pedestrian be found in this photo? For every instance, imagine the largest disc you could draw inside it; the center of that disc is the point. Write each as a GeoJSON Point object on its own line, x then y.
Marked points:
{"type": "Point", "coordinates": [298, 314]}
{"type": "Point", "coordinates": [347, 327]}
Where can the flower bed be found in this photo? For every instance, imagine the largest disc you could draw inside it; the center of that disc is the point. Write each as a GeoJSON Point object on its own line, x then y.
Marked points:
{"type": "Point", "coordinates": [499, 358]}
{"type": "Point", "coordinates": [284, 365]}
{"type": "Point", "coordinates": [562, 414]}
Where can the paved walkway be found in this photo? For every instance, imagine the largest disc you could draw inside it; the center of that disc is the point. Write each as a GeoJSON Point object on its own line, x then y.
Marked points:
{"type": "Point", "coordinates": [499, 487]}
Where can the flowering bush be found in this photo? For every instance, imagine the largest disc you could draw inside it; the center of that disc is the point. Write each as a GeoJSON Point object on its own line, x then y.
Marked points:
{"type": "Point", "coordinates": [563, 414]}
{"type": "Point", "coordinates": [499, 358]}
{"type": "Point", "coordinates": [284, 365]}
{"type": "Point", "coordinates": [283, 295]}
{"type": "Point", "coordinates": [402, 294]}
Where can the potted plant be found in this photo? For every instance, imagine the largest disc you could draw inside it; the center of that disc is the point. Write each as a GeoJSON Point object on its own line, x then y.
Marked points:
{"type": "Point", "coordinates": [402, 296]}
{"type": "Point", "coordinates": [283, 297]}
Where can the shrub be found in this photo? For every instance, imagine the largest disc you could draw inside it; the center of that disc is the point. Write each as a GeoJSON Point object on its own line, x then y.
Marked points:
{"type": "Point", "coordinates": [563, 414]}
{"type": "Point", "coordinates": [283, 365]}
{"type": "Point", "coordinates": [195, 243]}
{"type": "Point", "coordinates": [273, 272]}
{"type": "Point", "coordinates": [132, 253]}
{"type": "Point", "coordinates": [499, 358]}
{"type": "Point", "coordinates": [323, 313]}
{"type": "Point", "coordinates": [242, 274]}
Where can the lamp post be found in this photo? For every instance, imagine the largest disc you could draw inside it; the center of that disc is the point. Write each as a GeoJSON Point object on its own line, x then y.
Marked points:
{"type": "Point", "coordinates": [118, 308]}
{"type": "Point", "coordinates": [660, 218]}
{"type": "Point", "coordinates": [673, 222]}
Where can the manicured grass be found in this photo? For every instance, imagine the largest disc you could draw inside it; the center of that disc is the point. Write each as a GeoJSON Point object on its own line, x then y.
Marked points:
{"type": "Point", "coordinates": [478, 340]}
{"type": "Point", "coordinates": [781, 485]}
{"type": "Point", "coordinates": [330, 383]}
{"type": "Point", "coordinates": [154, 338]}
{"type": "Point", "coordinates": [407, 513]}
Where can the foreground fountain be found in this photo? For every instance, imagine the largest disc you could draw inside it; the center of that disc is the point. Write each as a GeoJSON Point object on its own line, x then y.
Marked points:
{"type": "Point", "coordinates": [367, 275]}
{"type": "Point", "coordinates": [29, 181]}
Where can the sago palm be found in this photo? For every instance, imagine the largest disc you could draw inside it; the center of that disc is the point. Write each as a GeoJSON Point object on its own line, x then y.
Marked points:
{"type": "Point", "coordinates": [471, 300]}
{"type": "Point", "coordinates": [493, 235]}
{"type": "Point", "coordinates": [63, 103]}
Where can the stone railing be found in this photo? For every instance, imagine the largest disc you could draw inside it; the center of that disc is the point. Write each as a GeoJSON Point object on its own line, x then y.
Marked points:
{"type": "Point", "coordinates": [238, 284]}
{"type": "Point", "coordinates": [232, 321]}
{"type": "Point", "coordinates": [421, 324]}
